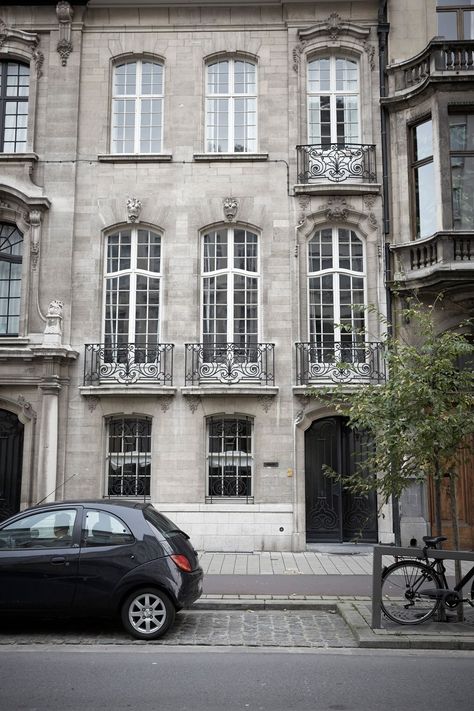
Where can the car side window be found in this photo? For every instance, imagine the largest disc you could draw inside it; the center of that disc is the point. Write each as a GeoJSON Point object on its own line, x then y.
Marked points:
{"type": "Point", "coordinates": [48, 529]}
{"type": "Point", "coordinates": [104, 529]}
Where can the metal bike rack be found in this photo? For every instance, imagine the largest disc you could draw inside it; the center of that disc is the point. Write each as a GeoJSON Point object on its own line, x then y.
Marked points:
{"type": "Point", "coordinates": [393, 551]}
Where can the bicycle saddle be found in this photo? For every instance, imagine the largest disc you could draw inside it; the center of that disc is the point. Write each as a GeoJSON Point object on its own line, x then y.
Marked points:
{"type": "Point", "coordinates": [432, 541]}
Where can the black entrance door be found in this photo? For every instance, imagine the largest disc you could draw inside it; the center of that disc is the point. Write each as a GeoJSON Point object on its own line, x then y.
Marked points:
{"type": "Point", "coordinates": [332, 513]}
{"type": "Point", "coordinates": [11, 451]}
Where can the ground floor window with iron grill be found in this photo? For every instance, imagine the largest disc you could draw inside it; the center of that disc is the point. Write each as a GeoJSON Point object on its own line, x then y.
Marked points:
{"type": "Point", "coordinates": [229, 458]}
{"type": "Point", "coordinates": [129, 457]}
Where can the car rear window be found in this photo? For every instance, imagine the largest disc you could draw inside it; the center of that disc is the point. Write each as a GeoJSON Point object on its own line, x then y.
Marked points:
{"type": "Point", "coordinates": [162, 524]}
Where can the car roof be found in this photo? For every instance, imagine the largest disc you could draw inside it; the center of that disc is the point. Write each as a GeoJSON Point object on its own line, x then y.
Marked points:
{"type": "Point", "coordinates": [93, 502]}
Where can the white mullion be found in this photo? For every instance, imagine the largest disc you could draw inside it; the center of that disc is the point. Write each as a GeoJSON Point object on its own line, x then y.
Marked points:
{"type": "Point", "coordinates": [333, 98]}
{"type": "Point", "coordinates": [336, 284]}
{"type": "Point", "coordinates": [230, 285]}
{"type": "Point", "coordinates": [231, 127]}
{"type": "Point", "coordinates": [133, 285]}
{"type": "Point", "coordinates": [138, 106]}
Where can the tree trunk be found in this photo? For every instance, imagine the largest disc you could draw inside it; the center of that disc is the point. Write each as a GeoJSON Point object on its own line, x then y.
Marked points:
{"type": "Point", "coordinates": [437, 506]}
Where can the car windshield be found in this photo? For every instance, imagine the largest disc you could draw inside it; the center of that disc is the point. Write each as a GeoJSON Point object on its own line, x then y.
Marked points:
{"type": "Point", "coordinates": [161, 523]}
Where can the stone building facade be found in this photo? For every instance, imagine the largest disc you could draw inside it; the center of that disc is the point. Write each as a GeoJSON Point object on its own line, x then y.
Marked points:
{"type": "Point", "coordinates": [192, 196]}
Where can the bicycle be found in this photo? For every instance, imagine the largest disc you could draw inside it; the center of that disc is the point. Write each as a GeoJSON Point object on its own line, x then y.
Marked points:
{"type": "Point", "coordinates": [414, 590]}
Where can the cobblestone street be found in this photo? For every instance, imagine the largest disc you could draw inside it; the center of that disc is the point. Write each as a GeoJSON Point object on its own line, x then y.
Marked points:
{"type": "Point", "coordinates": [259, 628]}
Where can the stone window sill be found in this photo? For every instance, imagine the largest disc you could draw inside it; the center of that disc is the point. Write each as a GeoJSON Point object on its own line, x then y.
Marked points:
{"type": "Point", "coordinates": [225, 157]}
{"type": "Point", "coordinates": [135, 158]}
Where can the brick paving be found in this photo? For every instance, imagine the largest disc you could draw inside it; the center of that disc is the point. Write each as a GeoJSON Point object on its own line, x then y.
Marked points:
{"type": "Point", "coordinates": [246, 627]}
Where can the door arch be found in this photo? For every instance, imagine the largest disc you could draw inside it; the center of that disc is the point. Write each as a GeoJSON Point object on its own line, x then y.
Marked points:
{"type": "Point", "coordinates": [334, 514]}
{"type": "Point", "coordinates": [11, 459]}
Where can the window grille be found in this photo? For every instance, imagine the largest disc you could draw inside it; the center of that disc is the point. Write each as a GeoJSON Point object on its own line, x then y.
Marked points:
{"type": "Point", "coordinates": [129, 457]}
{"type": "Point", "coordinates": [229, 458]}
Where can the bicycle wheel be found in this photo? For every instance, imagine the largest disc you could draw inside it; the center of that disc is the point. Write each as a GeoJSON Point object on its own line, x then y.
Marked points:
{"type": "Point", "coordinates": [408, 592]}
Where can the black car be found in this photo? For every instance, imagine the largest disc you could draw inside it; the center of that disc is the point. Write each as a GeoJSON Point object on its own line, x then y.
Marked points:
{"type": "Point", "coordinates": [98, 558]}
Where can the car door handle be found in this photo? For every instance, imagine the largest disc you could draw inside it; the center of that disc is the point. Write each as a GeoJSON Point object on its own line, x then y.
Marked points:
{"type": "Point", "coordinates": [59, 560]}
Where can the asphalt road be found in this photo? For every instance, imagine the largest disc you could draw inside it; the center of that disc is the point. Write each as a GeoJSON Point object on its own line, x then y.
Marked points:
{"type": "Point", "coordinates": [172, 679]}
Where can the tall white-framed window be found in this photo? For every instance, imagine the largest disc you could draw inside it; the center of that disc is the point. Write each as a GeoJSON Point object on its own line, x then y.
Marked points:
{"type": "Point", "coordinates": [230, 288]}
{"type": "Point", "coordinates": [333, 100]}
{"type": "Point", "coordinates": [128, 457]}
{"type": "Point", "coordinates": [229, 457]}
{"type": "Point", "coordinates": [132, 294]}
{"type": "Point", "coordinates": [11, 258]}
{"type": "Point", "coordinates": [14, 92]}
{"type": "Point", "coordinates": [231, 106]}
{"type": "Point", "coordinates": [336, 295]}
{"type": "Point", "coordinates": [137, 107]}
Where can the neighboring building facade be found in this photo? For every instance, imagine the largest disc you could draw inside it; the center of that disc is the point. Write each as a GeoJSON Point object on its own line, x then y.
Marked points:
{"type": "Point", "coordinates": [191, 199]}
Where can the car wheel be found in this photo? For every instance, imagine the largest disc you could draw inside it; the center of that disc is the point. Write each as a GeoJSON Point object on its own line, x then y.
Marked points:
{"type": "Point", "coordinates": [147, 613]}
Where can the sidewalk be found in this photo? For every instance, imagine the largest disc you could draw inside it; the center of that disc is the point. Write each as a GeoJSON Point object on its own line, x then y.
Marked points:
{"type": "Point", "coordinates": [334, 578]}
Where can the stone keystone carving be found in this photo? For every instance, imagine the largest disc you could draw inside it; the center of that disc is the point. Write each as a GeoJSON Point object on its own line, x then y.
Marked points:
{"type": "Point", "coordinates": [230, 206]}
{"type": "Point", "coordinates": [134, 207]}
{"type": "Point", "coordinates": [333, 25]}
{"type": "Point", "coordinates": [337, 209]}
{"type": "Point", "coordinates": [53, 329]}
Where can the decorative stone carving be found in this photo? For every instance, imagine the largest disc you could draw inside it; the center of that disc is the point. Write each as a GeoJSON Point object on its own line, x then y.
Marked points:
{"type": "Point", "coordinates": [297, 52]}
{"type": "Point", "coordinates": [134, 207]}
{"type": "Point", "coordinates": [370, 49]}
{"type": "Point", "coordinates": [230, 206]}
{"type": "Point", "coordinates": [303, 399]}
{"type": "Point", "coordinates": [3, 33]}
{"type": "Point", "coordinates": [38, 58]}
{"type": "Point", "coordinates": [27, 409]}
{"type": "Point", "coordinates": [64, 13]}
{"type": "Point", "coordinates": [34, 218]}
{"type": "Point", "coordinates": [369, 202]}
{"type": "Point", "coordinates": [193, 402]}
{"type": "Point", "coordinates": [266, 401]}
{"type": "Point", "coordinates": [165, 402]}
{"type": "Point", "coordinates": [299, 417]}
{"type": "Point", "coordinates": [92, 403]}
{"type": "Point", "coordinates": [304, 202]}
{"type": "Point", "coordinates": [334, 26]}
{"type": "Point", "coordinates": [53, 329]}
{"type": "Point", "coordinates": [337, 209]}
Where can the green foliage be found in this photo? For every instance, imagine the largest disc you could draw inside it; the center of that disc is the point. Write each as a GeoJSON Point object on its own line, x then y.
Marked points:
{"type": "Point", "coordinates": [421, 417]}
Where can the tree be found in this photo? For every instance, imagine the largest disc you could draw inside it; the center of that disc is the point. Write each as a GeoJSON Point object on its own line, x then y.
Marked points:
{"type": "Point", "coordinates": [420, 418]}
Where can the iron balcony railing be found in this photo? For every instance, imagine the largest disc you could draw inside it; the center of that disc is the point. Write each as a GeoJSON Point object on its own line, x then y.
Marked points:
{"type": "Point", "coordinates": [229, 363]}
{"type": "Point", "coordinates": [128, 364]}
{"type": "Point", "coordinates": [318, 363]}
{"type": "Point", "coordinates": [336, 162]}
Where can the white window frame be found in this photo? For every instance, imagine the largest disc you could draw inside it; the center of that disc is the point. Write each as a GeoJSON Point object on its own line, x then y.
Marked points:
{"type": "Point", "coordinates": [333, 94]}
{"type": "Point", "coordinates": [138, 99]}
{"type": "Point", "coordinates": [230, 96]}
{"type": "Point", "coordinates": [335, 272]}
{"type": "Point", "coordinates": [231, 271]}
{"type": "Point", "coordinates": [133, 273]}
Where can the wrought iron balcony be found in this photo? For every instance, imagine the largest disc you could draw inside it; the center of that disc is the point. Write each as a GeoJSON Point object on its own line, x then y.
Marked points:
{"type": "Point", "coordinates": [441, 58]}
{"type": "Point", "coordinates": [128, 364]}
{"type": "Point", "coordinates": [336, 162]}
{"type": "Point", "coordinates": [229, 364]}
{"type": "Point", "coordinates": [347, 363]}
{"type": "Point", "coordinates": [445, 257]}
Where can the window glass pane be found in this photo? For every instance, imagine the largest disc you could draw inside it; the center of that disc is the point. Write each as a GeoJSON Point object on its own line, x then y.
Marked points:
{"type": "Point", "coordinates": [230, 460]}
{"type": "Point", "coordinates": [152, 78]}
{"type": "Point", "coordinates": [218, 78]}
{"type": "Point", "coordinates": [447, 25]}
{"type": "Point", "coordinates": [425, 200]}
{"type": "Point", "coordinates": [244, 78]}
{"type": "Point", "coordinates": [105, 529]}
{"type": "Point", "coordinates": [125, 79]}
{"type": "Point", "coordinates": [319, 75]}
{"type": "Point", "coordinates": [468, 17]}
{"type": "Point", "coordinates": [346, 75]}
{"type": "Point", "coordinates": [462, 178]}
{"type": "Point", "coordinates": [423, 140]}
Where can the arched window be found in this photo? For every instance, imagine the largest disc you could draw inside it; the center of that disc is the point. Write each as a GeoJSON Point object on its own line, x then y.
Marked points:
{"type": "Point", "coordinates": [333, 101]}
{"type": "Point", "coordinates": [336, 294]}
{"type": "Point", "coordinates": [137, 107]}
{"type": "Point", "coordinates": [11, 251]}
{"type": "Point", "coordinates": [231, 106]}
{"type": "Point", "coordinates": [14, 89]}
{"type": "Point", "coordinates": [132, 294]}
{"type": "Point", "coordinates": [230, 288]}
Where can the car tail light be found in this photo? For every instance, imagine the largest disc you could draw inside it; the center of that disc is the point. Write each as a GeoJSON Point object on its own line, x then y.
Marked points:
{"type": "Point", "coordinates": [182, 562]}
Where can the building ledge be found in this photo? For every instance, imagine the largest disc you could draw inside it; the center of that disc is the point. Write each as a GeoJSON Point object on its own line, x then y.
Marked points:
{"type": "Point", "coordinates": [121, 390]}
{"type": "Point", "coordinates": [18, 157]}
{"type": "Point", "coordinates": [346, 188]}
{"type": "Point", "coordinates": [135, 158]}
{"type": "Point", "coordinates": [225, 157]}
{"type": "Point", "coordinates": [219, 390]}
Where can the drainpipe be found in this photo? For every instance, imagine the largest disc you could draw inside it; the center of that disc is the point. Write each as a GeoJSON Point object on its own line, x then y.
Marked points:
{"type": "Point", "coordinates": [383, 28]}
